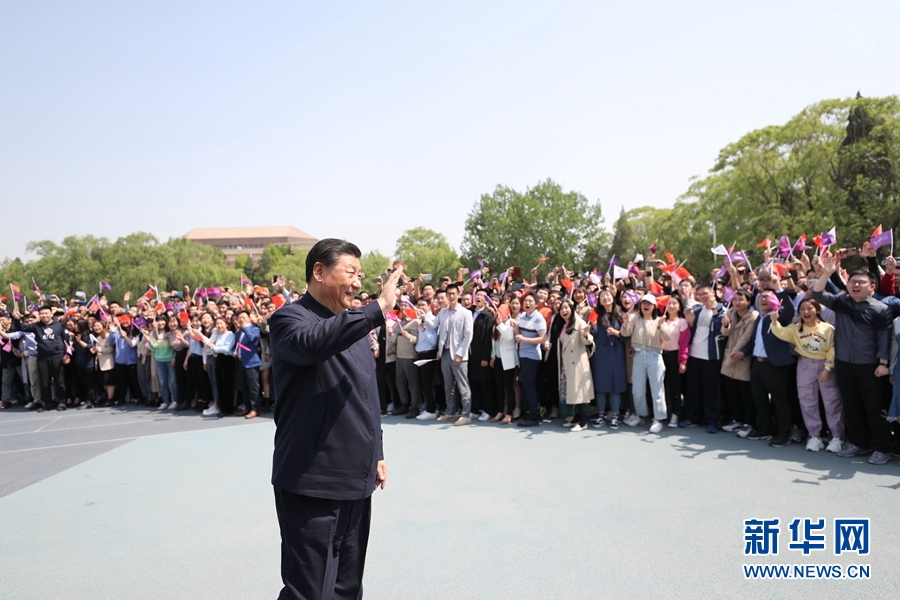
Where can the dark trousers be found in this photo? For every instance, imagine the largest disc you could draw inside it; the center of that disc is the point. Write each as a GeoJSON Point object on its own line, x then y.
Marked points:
{"type": "Point", "coordinates": [250, 386]}
{"type": "Point", "coordinates": [739, 397]}
{"type": "Point", "coordinates": [702, 400]}
{"type": "Point", "coordinates": [182, 380]}
{"type": "Point", "coordinates": [504, 381]}
{"type": "Point", "coordinates": [199, 379]}
{"type": "Point", "coordinates": [426, 379]}
{"type": "Point", "coordinates": [481, 384]}
{"type": "Point", "coordinates": [862, 396]}
{"type": "Point", "coordinates": [529, 375]}
{"type": "Point", "coordinates": [672, 382]}
{"type": "Point", "coordinates": [51, 373]}
{"type": "Point", "coordinates": [225, 383]}
{"type": "Point", "coordinates": [86, 384]}
{"type": "Point", "coordinates": [548, 381]}
{"type": "Point", "coordinates": [323, 545]}
{"type": "Point", "coordinates": [127, 379]}
{"type": "Point", "coordinates": [767, 380]}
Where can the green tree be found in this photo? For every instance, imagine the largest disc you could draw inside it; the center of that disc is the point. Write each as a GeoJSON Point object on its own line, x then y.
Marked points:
{"type": "Point", "coordinates": [622, 246]}
{"type": "Point", "coordinates": [373, 264]}
{"type": "Point", "coordinates": [510, 228]}
{"type": "Point", "coordinates": [425, 251]}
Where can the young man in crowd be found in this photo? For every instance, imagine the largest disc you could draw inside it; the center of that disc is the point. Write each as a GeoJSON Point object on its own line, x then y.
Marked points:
{"type": "Point", "coordinates": [481, 376]}
{"type": "Point", "coordinates": [51, 336]}
{"type": "Point", "coordinates": [701, 404]}
{"type": "Point", "coordinates": [862, 349]}
{"type": "Point", "coordinates": [454, 338]}
{"type": "Point", "coordinates": [247, 349]}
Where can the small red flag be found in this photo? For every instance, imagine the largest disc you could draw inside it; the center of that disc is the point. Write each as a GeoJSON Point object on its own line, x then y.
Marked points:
{"type": "Point", "coordinates": [15, 288]}
{"type": "Point", "coordinates": [877, 231]}
{"type": "Point", "coordinates": [764, 244]}
{"type": "Point", "coordinates": [662, 302]}
{"type": "Point", "coordinates": [592, 317]}
{"type": "Point", "coordinates": [278, 300]}
{"type": "Point", "coordinates": [566, 283]}
{"type": "Point", "coordinates": [184, 318]}
{"type": "Point", "coordinates": [655, 289]}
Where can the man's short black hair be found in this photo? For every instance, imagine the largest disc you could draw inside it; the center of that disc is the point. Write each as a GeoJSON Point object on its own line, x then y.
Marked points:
{"type": "Point", "coordinates": [241, 312]}
{"type": "Point", "coordinates": [328, 252]}
{"type": "Point", "coordinates": [46, 307]}
{"type": "Point", "coordinates": [452, 285]}
{"type": "Point", "coordinates": [865, 273]}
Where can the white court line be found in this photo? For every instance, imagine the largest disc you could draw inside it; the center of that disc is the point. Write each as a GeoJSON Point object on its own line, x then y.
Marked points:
{"type": "Point", "coordinates": [137, 437]}
{"type": "Point", "coordinates": [44, 426]}
{"type": "Point", "coordinates": [69, 445]}
{"type": "Point", "coordinates": [71, 428]}
{"type": "Point", "coordinates": [27, 417]}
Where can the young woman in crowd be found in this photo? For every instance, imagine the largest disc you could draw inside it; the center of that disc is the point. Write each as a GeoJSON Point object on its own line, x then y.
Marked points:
{"type": "Point", "coordinates": [675, 355]}
{"type": "Point", "coordinates": [647, 331]}
{"type": "Point", "coordinates": [608, 360]}
{"type": "Point", "coordinates": [574, 347]}
{"type": "Point", "coordinates": [161, 344]}
{"type": "Point", "coordinates": [505, 362]}
{"type": "Point", "coordinates": [813, 341]}
{"type": "Point", "coordinates": [106, 363]}
{"type": "Point", "coordinates": [180, 341]}
{"type": "Point", "coordinates": [738, 325]}
{"type": "Point", "coordinates": [84, 359]}
{"type": "Point", "coordinates": [223, 347]}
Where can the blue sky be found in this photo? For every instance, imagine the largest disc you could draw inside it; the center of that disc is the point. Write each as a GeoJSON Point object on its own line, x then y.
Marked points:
{"type": "Point", "coordinates": [363, 119]}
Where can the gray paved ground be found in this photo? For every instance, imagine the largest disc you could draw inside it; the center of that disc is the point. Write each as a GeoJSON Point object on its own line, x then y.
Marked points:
{"type": "Point", "coordinates": [476, 512]}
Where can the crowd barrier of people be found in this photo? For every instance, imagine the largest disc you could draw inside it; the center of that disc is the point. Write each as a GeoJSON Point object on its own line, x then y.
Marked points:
{"type": "Point", "coordinates": [795, 350]}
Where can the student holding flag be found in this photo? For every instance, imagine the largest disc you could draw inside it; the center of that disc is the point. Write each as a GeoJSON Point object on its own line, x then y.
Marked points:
{"type": "Point", "coordinates": [247, 349]}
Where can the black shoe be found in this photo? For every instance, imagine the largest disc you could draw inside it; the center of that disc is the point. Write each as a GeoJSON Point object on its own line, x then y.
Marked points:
{"type": "Point", "coordinates": [412, 414]}
{"type": "Point", "coordinates": [182, 406]}
{"type": "Point", "coordinates": [397, 412]}
{"type": "Point", "coordinates": [61, 406]}
{"type": "Point", "coordinates": [529, 424]}
{"type": "Point", "coordinates": [755, 435]}
{"type": "Point", "coordinates": [779, 440]}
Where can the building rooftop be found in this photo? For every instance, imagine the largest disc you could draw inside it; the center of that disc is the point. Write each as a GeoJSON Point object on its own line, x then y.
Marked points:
{"type": "Point", "coordinates": [219, 233]}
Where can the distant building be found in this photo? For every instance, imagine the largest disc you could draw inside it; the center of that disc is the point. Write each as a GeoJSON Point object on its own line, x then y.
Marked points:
{"type": "Point", "coordinates": [250, 240]}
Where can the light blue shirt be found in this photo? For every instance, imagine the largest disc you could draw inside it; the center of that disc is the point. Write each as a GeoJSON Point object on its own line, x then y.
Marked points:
{"type": "Point", "coordinates": [29, 344]}
{"type": "Point", "coordinates": [759, 346]}
{"type": "Point", "coordinates": [225, 343]}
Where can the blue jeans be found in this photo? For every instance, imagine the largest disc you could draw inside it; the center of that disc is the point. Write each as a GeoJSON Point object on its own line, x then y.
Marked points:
{"type": "Point", "coordinates": [615, 400]}
{"type": "Point", "coordinates": [648, 366]}
{"type": "Point", "coordinates": [529, 373]}
{"type": "Point", "coordinates": [168, 387]}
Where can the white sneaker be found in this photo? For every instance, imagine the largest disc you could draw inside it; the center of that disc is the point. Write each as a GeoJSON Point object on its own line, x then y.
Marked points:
{"type": "Point", "coordinates": [814, 444]}
{"type": "Point", "coordinates": [484, 416]}
{"type": "Point", "coordinates": [578, 427]}
{"type": "Point", "coordinates": [390, 407]}
{"type": "Point", "coordinates": [598, 422]}
{"type": "Point", "coordinates": [212, 411]}
{"type": "Point", "coordinates": [163, 406]}
{"type": "Point", "coordinates": [835, 445]}
{"type": "Point", "coordinates": [656, 427]}
{"type": "Point", "coordinates": [554, 412]}
{"type": "Point", "coordinates": [732, 427]}
{"type": "Point", "coordinates": [634, 421]}
{"type": "Point", "coordinates": [673, 421]}
{"type": "Point", "coordinates": [426, 416]}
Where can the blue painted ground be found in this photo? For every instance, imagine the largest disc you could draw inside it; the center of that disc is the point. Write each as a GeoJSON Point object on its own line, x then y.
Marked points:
{"type": "Point", "coordinates": [475, 512]}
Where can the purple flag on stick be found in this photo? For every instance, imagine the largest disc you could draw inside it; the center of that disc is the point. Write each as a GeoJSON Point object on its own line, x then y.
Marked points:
{"type": "Point", "coordinates": [476, 274]}
{"type": "Point", "coordinates": [784, 247]}
{"type": "Point", "coordinates": [140, 322]}
{"type": "Point", "coordinates": [800, 244]}
{"type": "Point", "coordinates": [105, 287]}
{"type": "Point", "coordinates": [722, 272]}
{"type": "Point", "coordinates": [728, 294]}
{"type": "Point", "coordinates": [481, 262]}
{"type": "Point", "coordinates": [830, 238]}
{"type": "Point", "coordinates": [503, 276]}
{"type": "Point", "coordinates": [774, 302]}
{"type": "Point", "coordinates": [592, 299]}
{"type": "Point", "coordinates": [882, 239]}
{"type": "Point", "coordinates": [613, 261]}
{"type": "Point", "coordinates": [212, 292]}
{"type": "Point", "coordinates": [633, 296]}
{"type": "Point", "coordinates": [738, 256]}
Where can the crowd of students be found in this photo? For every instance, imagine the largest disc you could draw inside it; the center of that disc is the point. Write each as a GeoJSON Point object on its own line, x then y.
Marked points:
{"type": "Point", "coordinates": [797, 350]}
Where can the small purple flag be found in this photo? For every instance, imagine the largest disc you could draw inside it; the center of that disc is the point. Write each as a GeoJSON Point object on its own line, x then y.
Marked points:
{"type": "Point", "coordinates": [503, 276]}
{"type": "Point", "coordinates": [800, 244]}
{"type": "Point", "coordinates": [728, 294]}
{"type": "Point", "coordinates": [784, 247]}
{"type": "Point", "coordinates": [245, 282]}
{"type": "Point", "coordinates": [140, 322]}
{"type": "Point", "coordinates": [476, 274]}
{"type": "Point", "coordinates": [882, 239]}
{"type": "Point", "coordinates": [481, 263]}
{"type": "Point", "coordinates": [592, 299]}
{"type": "Point", "coordinates": [722, 272]}
{"type": "Point", "coordinates": [830, 238]}
{"type": "Point", "coordinates": [613, 261]}
{"type": "Point", "coordinates": [774, 302]}
{"type": "Point", "coordinates": [105, 287]}
{"type": "Point", "coordinates": [212, 292]}
{"type": "Point", "coordinates": [633, 296]}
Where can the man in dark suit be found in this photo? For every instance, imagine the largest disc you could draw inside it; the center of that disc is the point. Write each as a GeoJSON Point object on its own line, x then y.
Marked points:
{"type": "Point", "coordinates": [328, 455]}
{"type": "Point", "coordinates": [481, 376]}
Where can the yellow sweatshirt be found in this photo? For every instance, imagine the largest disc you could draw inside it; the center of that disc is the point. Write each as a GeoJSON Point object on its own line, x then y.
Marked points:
{"type": "Point", "coordinates": [816, 343]}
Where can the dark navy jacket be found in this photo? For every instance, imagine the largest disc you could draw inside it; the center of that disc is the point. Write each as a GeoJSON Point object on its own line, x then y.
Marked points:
{"type": "Point", "coordinates": [327, 411]}
{"type": "Point", "coordinates": [778, 351]}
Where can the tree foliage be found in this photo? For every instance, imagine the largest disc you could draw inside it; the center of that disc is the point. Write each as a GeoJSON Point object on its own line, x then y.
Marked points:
{"type": "Point", "coordinates": [129, 263]}
{"type": "Point", "coordinates": [425, 251]}
{"type": "Point", "coordinates": [833, 165]}
{"type": "Point", "coordinates": [511, 228]}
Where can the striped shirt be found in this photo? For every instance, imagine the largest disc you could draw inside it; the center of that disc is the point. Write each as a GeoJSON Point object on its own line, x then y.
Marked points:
{"type": "Point", "coordinates": [646, 334]}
